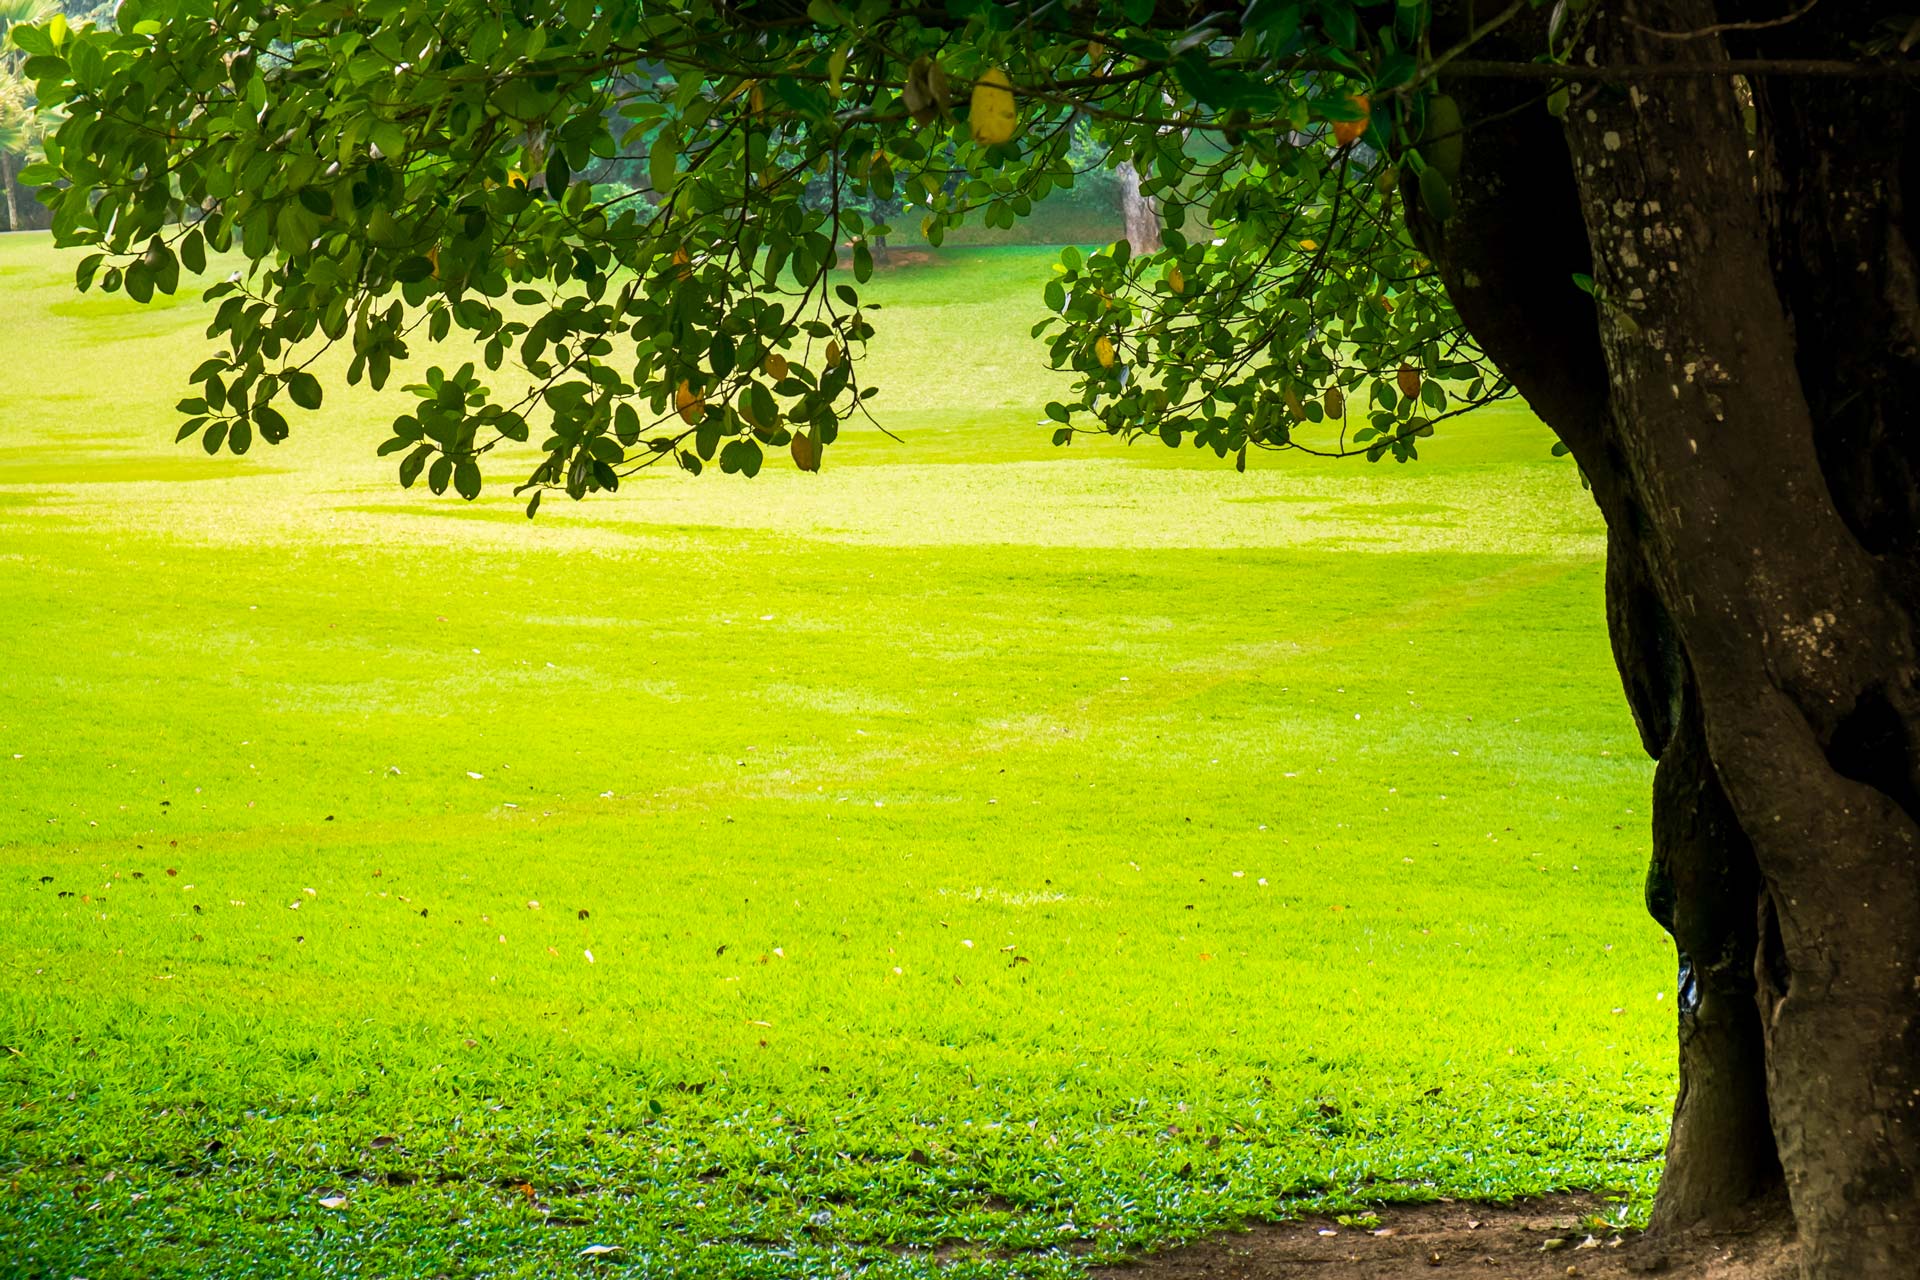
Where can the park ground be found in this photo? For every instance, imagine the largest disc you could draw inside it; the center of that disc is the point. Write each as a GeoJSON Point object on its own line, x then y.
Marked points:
{"type": "Point", "coordinates": [978, 859]}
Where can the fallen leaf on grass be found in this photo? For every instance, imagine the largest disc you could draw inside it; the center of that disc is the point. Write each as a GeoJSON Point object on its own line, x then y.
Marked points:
{"type": "Point", "coordinates": [333, 1202]}
{"type": "Point", "coordinates": [599, 1250]}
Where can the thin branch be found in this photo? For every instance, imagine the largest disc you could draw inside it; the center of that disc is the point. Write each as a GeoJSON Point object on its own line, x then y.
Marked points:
{"type": "Point", "coordinates": [1719, 27]}
{"type": "Point", "coordinates": [1478, 69]}
{"type": "Point", "coordinates": [1473, 38]}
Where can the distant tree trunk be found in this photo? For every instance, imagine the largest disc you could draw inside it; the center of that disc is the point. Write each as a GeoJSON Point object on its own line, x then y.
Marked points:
{"type": "Point", "coordinates": [6, 180]}
{"type": "Point", "coordinates": [1740, 393]}
{"type": "Point", "coordinates": [1139, 214]}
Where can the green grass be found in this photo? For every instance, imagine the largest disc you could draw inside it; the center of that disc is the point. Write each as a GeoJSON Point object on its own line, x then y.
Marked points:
{"type": "Point", "coordinates": [974, 859]}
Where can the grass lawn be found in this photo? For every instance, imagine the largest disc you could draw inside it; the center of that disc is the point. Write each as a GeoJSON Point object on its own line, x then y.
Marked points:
{"type": "Point", "coordinates": [972, 860]}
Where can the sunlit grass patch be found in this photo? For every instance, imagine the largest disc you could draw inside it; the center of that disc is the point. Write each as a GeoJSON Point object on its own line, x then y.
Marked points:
{"type": "Point", "coordinates": [975, 858]}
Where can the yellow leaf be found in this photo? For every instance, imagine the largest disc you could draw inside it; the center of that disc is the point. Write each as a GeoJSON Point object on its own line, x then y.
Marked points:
{"type": "Point", "coordinates": [1309, 245]}
{"type": "Point", "coordinates": [1334, 402]}
{"type": "Point", "coordinates": [690, 404]}
{"type": "Point", "coordinates": [805, 455]}
{"type": "Point", "coordinates": [1176, 279]}
{"type": "Point", "coordinates": [1409, 380]}
{"type": "Point", "coordinates": [992, 117]}
{"type": "Point", "coordinates": [1103, 350]}
{"type": "Point", "coordinates": [834, 353]}
{"type": "Point", "coordinates": [775, 365]}
{"type": "Point", "coordinates": [1349, 131]}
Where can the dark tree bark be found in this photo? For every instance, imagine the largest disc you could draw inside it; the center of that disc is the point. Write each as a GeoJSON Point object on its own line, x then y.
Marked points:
{"type": "Point", "coordinates": [1740, 397]}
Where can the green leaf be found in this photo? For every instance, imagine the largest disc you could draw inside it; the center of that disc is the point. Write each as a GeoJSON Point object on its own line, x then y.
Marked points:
{"type": "Point", "coordinates": [389, 137]}
{"type": "Point", "coordinates": [760, 402]}
{"type": "Point", "coordinates": [166, 267]}
{"type": "Point", "coordinates": [720, 354]}
{"type": "Point", "coordinates": [743, 456]}
{"type": "Point", "coordinates": [139, 280]}
{"type": "Point", "coordinates": [411, 464]}
{"type": "Point", "coordinates": [303, 387]}
{"type": "Point", "coordinates": [663, 160]}
{"type": "Point", "coordinates": [30, 39]}
{"type": "Point", "coordinates": [626, 424]}
{"type": "Point", "coordinates": [273, 426]}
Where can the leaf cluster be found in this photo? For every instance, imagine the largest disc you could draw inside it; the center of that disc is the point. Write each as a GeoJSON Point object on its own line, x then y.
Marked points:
{"type": "Point", "coordinates": [394, 176]}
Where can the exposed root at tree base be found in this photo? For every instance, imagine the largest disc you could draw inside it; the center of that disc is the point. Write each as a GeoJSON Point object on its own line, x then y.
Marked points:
{"type": "Point", "coordinates": [1451, 1240]}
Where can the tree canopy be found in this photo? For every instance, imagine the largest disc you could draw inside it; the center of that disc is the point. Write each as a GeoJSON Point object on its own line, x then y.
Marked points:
{"type": "Point", "coordinates": [612, 204]}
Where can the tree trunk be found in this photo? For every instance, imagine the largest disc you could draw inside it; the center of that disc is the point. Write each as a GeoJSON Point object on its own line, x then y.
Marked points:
{"type": "Point", "coordinates": [1799, 646]}
{"type": "Point", "coordinates": [6, 181]}
{"type": "Point", "coordinates": [1704, 888]}
{"type": "Point", "coordinates": [1140, 215]}
{"type": "Point", "coordinates": [1741, 399]}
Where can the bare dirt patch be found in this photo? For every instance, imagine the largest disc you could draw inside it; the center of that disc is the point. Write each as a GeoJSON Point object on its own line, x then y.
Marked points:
{"type": "Point", "coordinates": [1543, 1239]}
